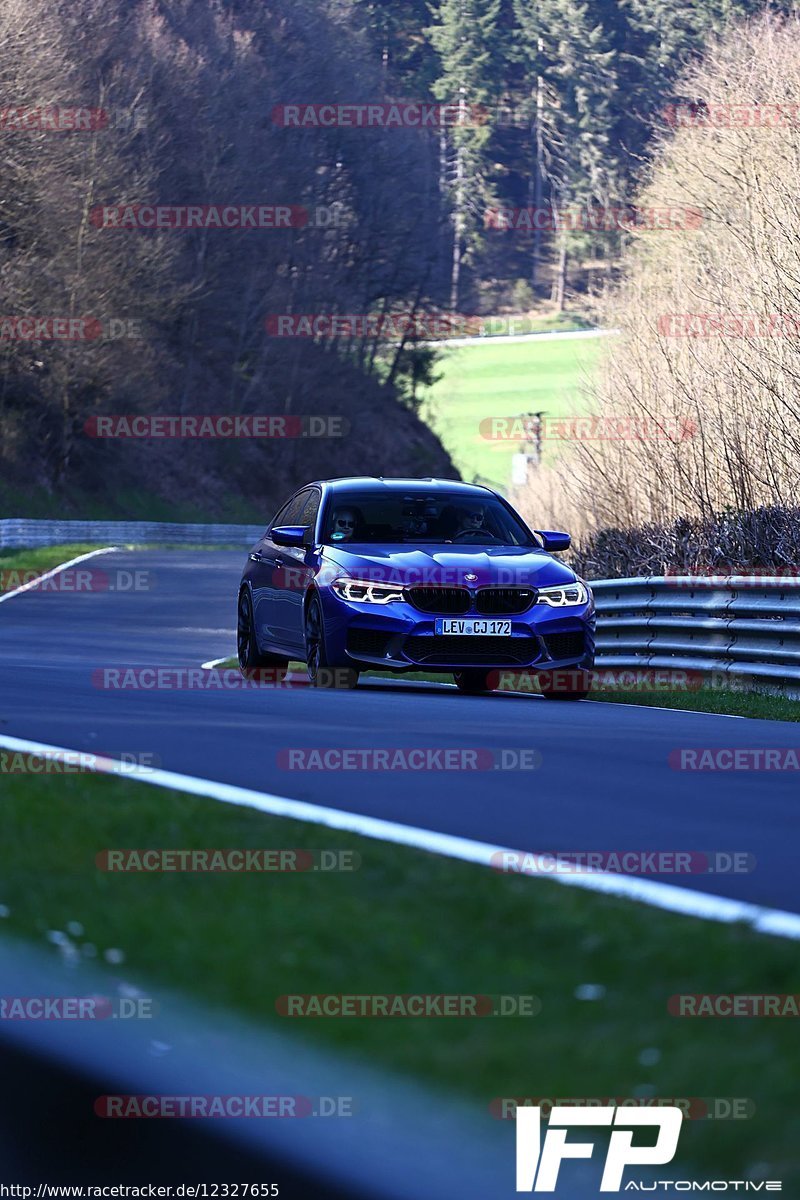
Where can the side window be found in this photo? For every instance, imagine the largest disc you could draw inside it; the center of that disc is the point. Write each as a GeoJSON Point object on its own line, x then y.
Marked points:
{"type": "Point", "coordinates": [290, 513]}
{"type": "Point", "coordinates": [278, 518]}
{"type": "Point", "coordinates": [308, 514]}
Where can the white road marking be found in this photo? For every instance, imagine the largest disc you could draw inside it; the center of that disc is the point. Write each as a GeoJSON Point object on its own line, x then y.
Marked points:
{"type": "Point", "coordinates": [26, 587]}
{"type": "Point", "coordinates": [697, 712]}
{"type": "Point", "coordinates": [644, 891]}
{"type": "Point", "coordinates": [197, 629]}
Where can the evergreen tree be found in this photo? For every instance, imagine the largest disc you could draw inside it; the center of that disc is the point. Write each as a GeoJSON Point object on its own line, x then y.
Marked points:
{"type": "Point", "coordinates": [466, 39]}
{"type": "Point", "coordinates": [573, 71]}
{"type": "Point", "coordinates": [397, 33]}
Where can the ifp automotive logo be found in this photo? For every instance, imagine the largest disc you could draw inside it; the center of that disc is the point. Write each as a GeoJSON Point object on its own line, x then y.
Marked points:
{"type": "Point", "coordinates": [538, 1165]}
{"type": "Point", "coordinates": [541, 1163]}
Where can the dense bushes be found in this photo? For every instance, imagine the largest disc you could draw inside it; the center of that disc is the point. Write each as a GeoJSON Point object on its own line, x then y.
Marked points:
{"type": "Point", "coordinates": [766, 540]}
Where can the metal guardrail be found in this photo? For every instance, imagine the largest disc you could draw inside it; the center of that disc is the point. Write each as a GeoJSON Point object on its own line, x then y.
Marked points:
{"type": "Point", "coordinates": [734, 625]}
{"type": "Point", "coordinates": [20, 531]}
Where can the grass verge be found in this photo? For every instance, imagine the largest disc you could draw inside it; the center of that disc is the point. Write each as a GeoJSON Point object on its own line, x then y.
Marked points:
{"type": "Point", "coordinates": [405, 922]}
{"type": "Point", "coordinates": [36, 558]}
{"type": "Point", "coordinates": [19, 566]}
{"type": "Point", "coordinates": [760, 705]}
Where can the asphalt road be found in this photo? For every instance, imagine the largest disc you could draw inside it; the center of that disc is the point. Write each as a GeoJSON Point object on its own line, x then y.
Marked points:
{"type": "Point", "coordinates": [604, 782]}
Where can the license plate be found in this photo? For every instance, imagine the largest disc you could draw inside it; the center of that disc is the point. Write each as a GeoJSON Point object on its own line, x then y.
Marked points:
{"type": "Point", "coordinates": [472, 627]}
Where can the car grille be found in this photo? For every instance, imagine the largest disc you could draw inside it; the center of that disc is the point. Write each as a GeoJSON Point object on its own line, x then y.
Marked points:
{"type": "Point", "coordinates": [488, 651]}
{"type": "Point", "coordinates": [440, 599]}
{"type": "Point", "coordinates": [504, 600]}
{"type": "Point", "coordinates": [372, 642]}
{"type": "Point", "coordinates": [565, 645]}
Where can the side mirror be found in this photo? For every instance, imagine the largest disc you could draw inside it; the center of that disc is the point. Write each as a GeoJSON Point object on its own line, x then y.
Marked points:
{"type": "Point", "coordinates": [290, 535]}
{"type": "Point", "coordinates": [553, 540]}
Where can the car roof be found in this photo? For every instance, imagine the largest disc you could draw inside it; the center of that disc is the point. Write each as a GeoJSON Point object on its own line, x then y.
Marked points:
{"type": "Point", "coordinates": [381, 482]}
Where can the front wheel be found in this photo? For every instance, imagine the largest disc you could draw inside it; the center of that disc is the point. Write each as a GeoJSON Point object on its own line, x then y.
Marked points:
{"type": "Point", "coordinates": [320, 671]}
{"type": "Point", "coordinates": [252, 663]}
{"type": "Point", "coordinates": [473, 682]}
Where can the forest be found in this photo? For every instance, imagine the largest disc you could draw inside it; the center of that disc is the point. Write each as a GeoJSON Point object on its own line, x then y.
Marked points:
{"type": "Point", "coordinates": [522, 186]}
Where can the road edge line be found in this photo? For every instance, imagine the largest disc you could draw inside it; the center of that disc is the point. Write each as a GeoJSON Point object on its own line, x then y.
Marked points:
{"type": "Point", "coordinates": [34, 583]}
{"type": "Point", "coordinates": [666, 896]}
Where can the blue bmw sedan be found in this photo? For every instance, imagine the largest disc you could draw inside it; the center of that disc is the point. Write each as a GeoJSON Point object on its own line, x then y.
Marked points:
{"type": "Point", "coordinates": [413, 574]}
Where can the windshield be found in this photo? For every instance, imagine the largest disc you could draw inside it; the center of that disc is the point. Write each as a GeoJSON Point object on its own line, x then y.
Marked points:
{"type": "Point", "coordinates": [417, 518]}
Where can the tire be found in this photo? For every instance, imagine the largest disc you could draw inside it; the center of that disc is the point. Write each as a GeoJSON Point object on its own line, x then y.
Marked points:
{"type": "Point", "coordinates": [261, 668]}
{"type": "Point", "coordinates": [577, 688]}
{"type": "Point", "coordinates": [321, 672]}
{"type": "Point", "coordinates": [473, 681]}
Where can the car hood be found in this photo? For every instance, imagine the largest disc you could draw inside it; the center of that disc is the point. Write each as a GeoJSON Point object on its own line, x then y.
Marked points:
{"type": "Point", "coordinates": [446, 565]}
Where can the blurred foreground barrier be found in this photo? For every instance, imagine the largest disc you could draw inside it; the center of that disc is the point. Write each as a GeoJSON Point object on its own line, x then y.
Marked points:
{"type": "Point", "coordinates": [62, 1081]}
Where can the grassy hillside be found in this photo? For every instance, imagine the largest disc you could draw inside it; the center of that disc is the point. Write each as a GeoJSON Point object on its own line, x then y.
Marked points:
{"type": "Point", "coordinates": [503, 379]}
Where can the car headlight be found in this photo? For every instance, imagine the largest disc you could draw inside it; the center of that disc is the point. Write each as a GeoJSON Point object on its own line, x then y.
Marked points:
{"type": "Point", "coordinates": [568, 596]}
{"type": "Point", "coordinates": [365, 592]}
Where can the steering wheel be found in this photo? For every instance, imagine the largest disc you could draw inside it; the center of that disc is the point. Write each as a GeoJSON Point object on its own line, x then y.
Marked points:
{"type": "Point", "coordinates": [480, 535]}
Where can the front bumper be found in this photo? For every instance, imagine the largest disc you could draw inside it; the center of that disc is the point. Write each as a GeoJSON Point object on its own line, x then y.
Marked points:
{"type": "Point", "coordinates": [399, 637]}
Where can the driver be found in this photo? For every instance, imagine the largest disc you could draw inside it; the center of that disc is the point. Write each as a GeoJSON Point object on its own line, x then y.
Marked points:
{"type": "Point", "coordinates": [472, 520]}
{"type": "Point", "coordinates": [344, 524]}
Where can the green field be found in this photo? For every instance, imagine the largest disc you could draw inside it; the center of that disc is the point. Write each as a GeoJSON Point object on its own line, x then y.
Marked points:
{"type": "Point", "coordinates": [504, 379]}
